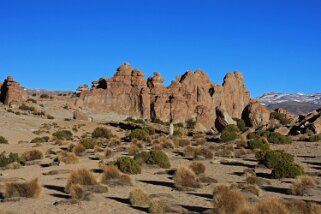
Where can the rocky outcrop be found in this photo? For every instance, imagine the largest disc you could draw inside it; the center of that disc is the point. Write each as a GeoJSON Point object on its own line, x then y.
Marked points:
{"type": "Point", "coordinates": [256, 114]}
{"type": "Point", "coordinates": [12, 93]}
{"type": "Point", "coordinates": [309, 124]}
{"type": "Point", "coordinates": [78, 115]}
{"type": "Point", "coordinates": [190, 96]}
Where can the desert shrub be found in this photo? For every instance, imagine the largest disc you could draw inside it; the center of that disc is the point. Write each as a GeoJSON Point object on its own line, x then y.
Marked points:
{"type": "Point", "coordinates": [68, 158]}
{"type": "Point", "coordinates": [271, 206]}
{"type": "Point", "coordinates": [185, 178]}
{"type": "Point", "coordinates": [277, 138]}
{"type": "Point", "coordinates": [155, 157]}
{"type": "Point", "coordinates": [102, 132]}
{"type": "Point", "coordinates": [315, 138]}
{"type": "Point", "coordinates": [178, 132]}
{"type": "Point", "coordinates": [112, 176]}
{"type": "Point", "coordinates": [44, 96]}
{"type": "Point", "coordinates": [258, 143]}
{"type": "Point", "coordinates": [190, 123]}
{"type": "Point", "coordinates": [138, 134]}
{"type": "Point", "coordinates": [296, 206]}
{"type": "Point", "coordinates": [8, 159]}
{"type": "Point", "coordinates": [230, 133]}
{"type": "Point", "coordinates": [88, 143]}
{"type": "Point", "coordinates": [286, 170]}
{"type": "Point", "coordinates": [189, 151]}
{"type": "Point", "coordinates": [40, 139]}
{"type": "Point", "coordinates": [3, 140]}
{"type": "Point", "coordinates": [228, 200]}
{"type": "Point", "coordinates": [82, 177]}
{"type": "Point", "coordinates": [182, 142]}
{"type": "Point", "coordinates": [130, 119]}
{"type": "Point", "coordinates": [50, 117]}
{"type": "Point", "coordinates": [157, 207]}
{"type": "Point", "coordinates": [32, 155]}
{"type": "Point", "coordinates": [200, 141]}
{"type": "Point", "coordinates": [24, 107]}
{"type": "Point", "coordinates": [133, 149]}
{"type": "Point", "coordinates": [128, 165]}
{"type": "Point", "coordinates": [30, 189]}
{"type": "Point", "coordinates": [302, 184]}
{"type": "Point", "coordinates": [63, 135]}
{"type": "Point", "coordinates": [138, 198]}
{"type": "Point", "coordinates": [241, 125]}
{"type": "Point", "coordinates": [168, 144]}
{"type": "Point", "coordinates": [273, 158]}
{"type": "Point", "coordinates": [280, 117]}
{"type": "Point", "coordinates": [32, 100]}
{"type": "Point", "coordinates": [203, 153]}
{"type": "Point", "coordinates": [78, 149]}
{"type": "Point", "coordinates": [159, 158]}
{"type": "Point", "coordinates": [197, 167]}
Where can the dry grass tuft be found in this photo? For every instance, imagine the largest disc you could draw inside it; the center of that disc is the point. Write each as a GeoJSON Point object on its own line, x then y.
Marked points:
{"type": "Point", "coordinates": [271, 206]}
{"type": "Point", "coordinates": [112, 176]}
{"type": "Point", "coordinates": [157, 207]}
{"type": "Point", "coordinates": [296, 206]}
{"type": "Point", "coordinates": [302, 183]}
{"type": "Point", "coordinates": [185, 178]}
{"type": "Point", "coordinates": [133, 149]}
{"type": "Point", "coordinates": [30, 189]}
{"type": "Point", "coordinates": [138, 198]}
{"type": "Point", "coordinates": [78, 149]}
{"type": "Point", "coordinates": [32, 155]}
{"type": "Point", "coordinates": [77, 192]}
{"type": "Point", "coordinates": [108, 153]}
{"type": "Point", "coordinates": [197, 167]}
{"type": "Point", "coordinates": [228, 200]}
{"type": "Point", "coordinates": [68, 158]}
{"type": "Point", "coordinates": [252, 188]}
{"type": "Point", "coordinates": [81, 177]}
{"type": "Point", "coordinates": [189, 151]}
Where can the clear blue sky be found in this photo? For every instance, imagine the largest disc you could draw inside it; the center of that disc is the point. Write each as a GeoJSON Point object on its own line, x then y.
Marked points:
{"type": "Point", "coordinates": [60, 44]}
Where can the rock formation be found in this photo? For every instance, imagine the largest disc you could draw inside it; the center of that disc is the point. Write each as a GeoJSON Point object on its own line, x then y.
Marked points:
{"type": "Point", "coordinates": [190, 96]}
{"type": "Point", "coordinates": [12, 93]}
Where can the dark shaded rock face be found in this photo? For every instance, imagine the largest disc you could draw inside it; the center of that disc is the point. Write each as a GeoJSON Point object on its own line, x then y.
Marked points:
{"type": "Point", "coordinates": [11, 92]}
{"type": "Point", "coordinates": [190, 96]}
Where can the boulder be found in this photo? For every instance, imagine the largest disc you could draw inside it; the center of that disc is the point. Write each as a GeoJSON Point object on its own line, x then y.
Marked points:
{"type": "Point", "coordinates": [78, 115]}
{"type": "Point", "coordinates": [223, 119]}
{"type": "Point", "coordinates": [12, 93]}
{"type": "Point", "coordinates": [256, 114]}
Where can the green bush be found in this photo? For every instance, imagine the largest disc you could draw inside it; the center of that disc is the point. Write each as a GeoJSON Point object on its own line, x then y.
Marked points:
{"type": "Point", "coordinates": [40, 139]}
{"type": "Point", "coordinates": [230, 133]}
{"type": "Point", "coordinates": [275, 157]}
{"type": "Point", "coordinates": [50, 117]}
{"type": "Point", "coordinates": [130, 119]}
{"type": "Point", "coordinates": [63, 135]}
{"type": "Point", "coordinates": [3, 140]}
{"type": "Point", "coordinates": [138, 134]}
{"type": "Point", "coordinates": [5, 160]}
{"type": "Point", "coordinates": [241, 125]}
{"type": "Point", "coordinates": [102, 132]}
{"type": "Point", "coordinates": [286, 170]}
{"type": "Point", "coordinates": [315, 138]}
{"type": "Point", "coordinates": [277, 138]}
{"type": "Point", "coordinates": [280, 117]}
{"type": "Point", "coordinates": [178, 132]}
{"type": "Point", "coordinates": [24, 107]}
{"type": "Point", "coordinates": [156, 157]}
{"type": "Point", "coordinates": [190, 123]}
{"type": "Point", "coordinates": [128, 165]}
{"type": "Point", "coordinates": [88, 143]}
{"type": "Point", "coordinates": [258, 143]}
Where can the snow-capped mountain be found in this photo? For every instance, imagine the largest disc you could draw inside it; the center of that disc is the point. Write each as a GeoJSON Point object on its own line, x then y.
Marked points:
{"type": "Point", "coordinates": [298, 103]}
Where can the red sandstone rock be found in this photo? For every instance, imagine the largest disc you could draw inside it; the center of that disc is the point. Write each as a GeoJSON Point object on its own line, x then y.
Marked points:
{"type": "Point", "coordinates": [12, 93]}
{"type": "Point", "coordinates": [256, 114]}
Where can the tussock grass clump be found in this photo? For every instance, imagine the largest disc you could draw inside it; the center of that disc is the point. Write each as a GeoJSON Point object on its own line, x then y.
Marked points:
{"type": "Point", "coordinates": [32, 155]}
{"type": "Point", "coordinates": [8, 159]}
{"type": "Point", "coordinates": [102, 132]}
{"type": "Point", "coordinates": [185, 178]}
{"type": "Point", "coordinates": [139, 198]}
{"type": "Point", "coordinates": [203, 153]}
{"type": "Point", "coordinates": [189, 151]}
{"type": "Point", "coordinates": [296, 206]}
{"type": "Point", "coordinates": [251, 188]}
{"type": "Point", "coordinates": [88, 143]}
{"type": "Point", "coordinates": [133, 149]}
{"type": "Point", "coordinates": [157, 207]}
{"type": "Point", "coordinates": [271, 206]}
{"type": "Point", "coordinates": [63, 135]}
{"type": "Point", "coordinates": [68, 158]}
{"type": "Point", "coordinates": [128, 165]}
{"type": "Point", "coordinates": [197, 167]}
{"type": "Point", "coordinates": [183, 142]}
{"type": "Point", "coordinates": [302, 183]}
{"type": "Point", "coordinates": [81, 177]}
{"type": "Point", "coordinates": [78, 149]}
{"type": "Point", "coordinates": [3, 140]}
{"type": "Point", "coordinates": [40, 139]}
{"type": "Point", "coordinates": [154, 157]}
{"type": "Point", "coordinates": [112, 176]}
{"type": "Point", "coordinates": [77, 192]}
{"type": "Point", "coordinates": [30, 189]}
{"type": "Point", "coordinates": [168, 144]}
{"type": "Point", "coordinates": [228, 200]}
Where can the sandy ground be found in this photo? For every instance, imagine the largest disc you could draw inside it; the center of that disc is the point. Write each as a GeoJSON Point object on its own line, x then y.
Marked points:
{"type": "Point", "coordinates": [225, 170]}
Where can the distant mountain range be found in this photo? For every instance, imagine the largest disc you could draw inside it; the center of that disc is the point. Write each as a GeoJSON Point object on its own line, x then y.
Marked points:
{"type": "Point", "coordinates": [297, 103]}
